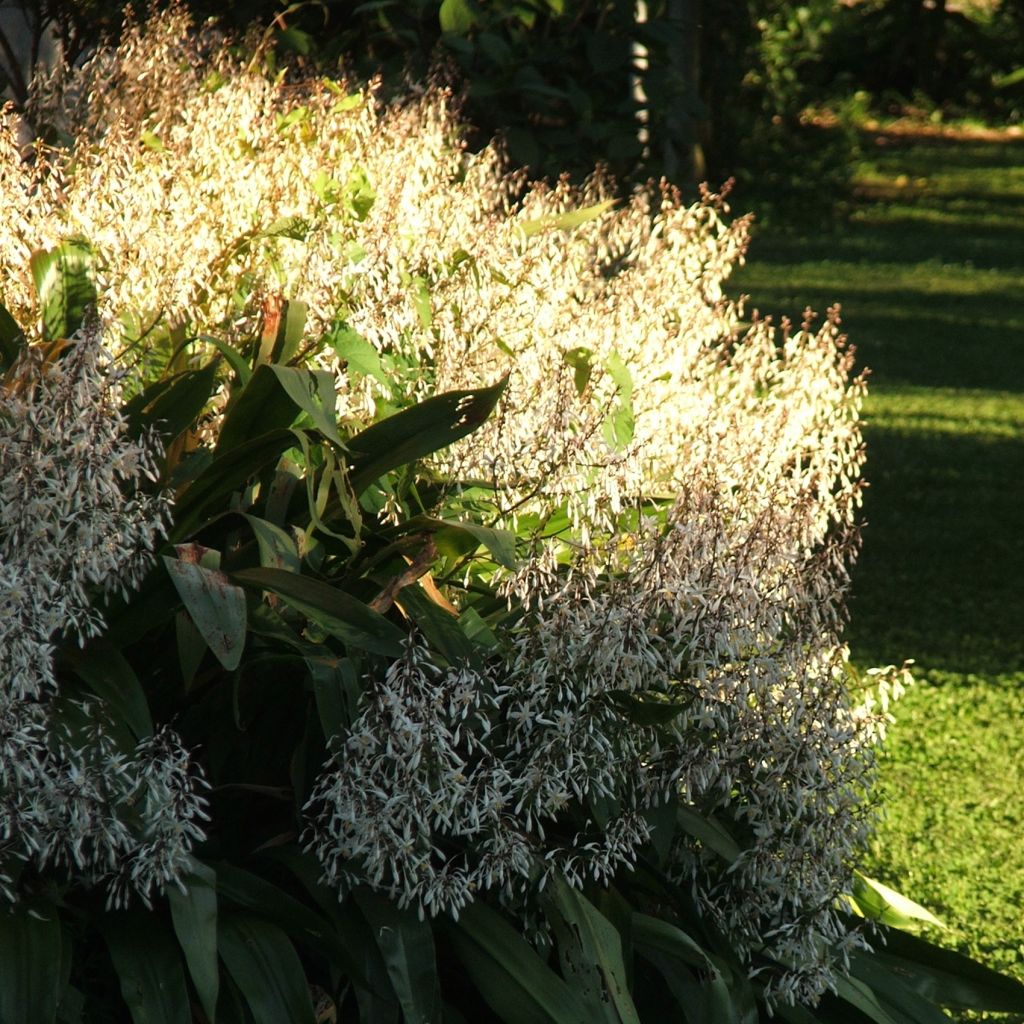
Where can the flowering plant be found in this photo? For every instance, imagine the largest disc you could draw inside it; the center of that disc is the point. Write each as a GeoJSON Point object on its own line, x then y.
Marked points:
{"type": "Point", "coordinates": [421, 602]}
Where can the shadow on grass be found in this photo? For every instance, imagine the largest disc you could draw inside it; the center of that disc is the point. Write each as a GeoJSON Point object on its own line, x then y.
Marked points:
{"type": "Point", "coordinates": [911, 337]}
{"type": "Point", "coordinates": [940, 576]}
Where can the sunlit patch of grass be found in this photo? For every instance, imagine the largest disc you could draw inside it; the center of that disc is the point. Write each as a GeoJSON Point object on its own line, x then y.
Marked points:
{"type": "Point", "coordinates": [930, 275]}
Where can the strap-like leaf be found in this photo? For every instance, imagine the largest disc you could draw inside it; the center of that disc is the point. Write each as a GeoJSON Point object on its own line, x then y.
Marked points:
{"type": "Point", "coordinates": [263, 964]}
{"type": "Point", "coordinates": [106, 671]}
{"type": "Point", "coordinates": [407, 946]}
{"type": "Point", "coordinates": [335, 611]}
{"type": "Point", "coordinates": [600, 948]}
{"type": "Point", "coordinates": [229, 472]}
{"type": "Point", "coordinates": [216, 606]}
{"type": "Point", "coordinates": [148, 967]}
{"type": "Point", "coordinates": [30, 963]}
{"type": "Point", "coordinates": [949, 978]}
{"type": "Point", "coordinates": [517, 984]}
{"type": "Point", "coordinates": [417, 432]}
{"type": "Point", "coordinates": [194, 914]}
{"type": "Point", "coordinates": [63, 281]}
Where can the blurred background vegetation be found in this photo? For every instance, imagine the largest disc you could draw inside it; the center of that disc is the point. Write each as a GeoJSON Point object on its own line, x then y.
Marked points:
{"type": "Point", "coordinates": [767, 91]}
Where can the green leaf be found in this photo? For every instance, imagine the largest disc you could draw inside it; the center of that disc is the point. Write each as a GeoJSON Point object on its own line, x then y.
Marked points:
{"type": "Point", "coordinates": [30, 963]}
{"type": "Point", "coordinates": [417, 432]}
{"type": "Point", "coordinates": [356, 351]}
{"type": "Point", "coordinates": [12, 339]}
{"type": "Point", "coordinates": [440, 627]}
{"type": "Point", "coordinates": [261, 407]}
{"type": "Point", "coordinates": [172, 405]}
{"type": "Point", "coordinates": [230, 471]}
{"type": "Point", "coordinates": [886, 906]}
{"type": "Point", "coordinates": [106, 671]}
{"type": "Point", "coordinates": [340, 614]}
{"type": "Point", "coordinates": [582, 362]}
{"type": "Point", "coordinates": [709, 831]}
{"type": "Point", "coordinates": [312, 391]}
{"type": "Point", "coordinates": [152, 141]}
{"type": "Point", "coordinates": [277, 548]}
{"type": "Point", "coordinates": [264, 965]}
{"type": "Point", "coordinates": [456, 16]}
{"type": "Point", "coordinates": [63, 281]}
{"type": "Point", "coordinates": [949, 978]}
{"type": "Point", "coordinates": [566, 221]}
{"type": "Point", "coordinates": [893, 991]}
{"type": "Point", "coordinates": [421, 301]}
{"type": "Point", "coordinates": [407, 946]}
{"type": "Point", "coordinates": [722, 996]}
{"type": "Point", "coordinates": [500, 543]}
{"type": "Point", "coordinates": [194, 915]}
{"type": "Point", "coordinates": [506, 970]}
{"type": "Point", "coordinates": [148, 967]}
{"type": "Point", "coordinates": [336, 690]}
{"type": "Point", "coordinates": [217, 608]}
{"type": "Point", "coordinates": [859, 995]}
{"type": "Point", "coordinates": [599, 946]}
{"type": "Point", "coordinates": [252, 893]}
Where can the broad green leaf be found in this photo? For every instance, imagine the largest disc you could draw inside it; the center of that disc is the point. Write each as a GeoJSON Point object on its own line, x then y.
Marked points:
{"type": "Point", "coordinates": [191, 647]}
{"type": "Point", "coordinates": [456, 16]}
{"type": "Point", "coordinates": [340, 614]}
{"type": "Point", "coordinates": [859, 995]}
{"type": "Point", "coordinates": [500, 543]}
{"type": "Point", "coordinates": [709, 831]}
{"type": "Point", "coordinates": [407, 946]}
{"type": "Point", "coordinates": [294, 227]}
{"type": "Point", "coordinates": [230, 471]}
{"type": "Point", "coordinates": [582, 362]}
{"type": "Point", "coordinates": [336, 690]}
{"type": "Point", "coordinates": [285, 341]}
{"type": "Point", "coordinates": [152, 141]}
{"type": "Point", "coordinates": [508, 973]}
{"type": "Point", "coordinates": [30, 963]}
{"type": "Point", "coordinates": [356, 351]}
{"type": "Point", "coordinates": [106, 671]}
{"type": "Point", "coordinates": [892, 990]}
{"type": "Point", "coordinates": [663, 935]}
{"type": "Point", "coordinates": [601, 948]}
{"type": "Point", "coordinates": [194, 915]}
{"type": "Point", "coordinates": [12, 339]}
{"type": "Point", "coordinates": [417, 432]}
{"type": "Point", "coordinates": [174, 404]}
{"type": "Point", "coordinates": [63, 280]}
{"type": "Point", "coordinates": [277, 548]}
{"type": "Point", "coordinates": [440, 627]}
{"type": "Point", "coordinates": [948, 978]}
{"type": "Point", "coordinates": [566, 221]}
{"type": "Point", "coordinates": [252, 893]}
{"type": "Point", "coordinates": [421, 301]}
{"type": "Point", "coordinates": [148, 967]}
{"type": "Point", "coordinates": [477, 629]}
{"type": "Point", "coordinates": [312, 391]}
{"type": "Point", "coordinates": [260, 407]}
{"type": "Point", "coordinates": [886, 906]}
{"type": "Point", "coordinates": [263, 964]}
{"type": "Point", "coordinates": [216, 606]}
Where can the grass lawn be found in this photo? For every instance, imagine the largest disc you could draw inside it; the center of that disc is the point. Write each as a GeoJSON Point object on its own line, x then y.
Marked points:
{"type": "Point", "coordinates": [930, 275]}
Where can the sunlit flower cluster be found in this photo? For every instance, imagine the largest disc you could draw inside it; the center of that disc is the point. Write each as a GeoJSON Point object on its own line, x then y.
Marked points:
{"type": "Point", "coordinates": [74, 528]}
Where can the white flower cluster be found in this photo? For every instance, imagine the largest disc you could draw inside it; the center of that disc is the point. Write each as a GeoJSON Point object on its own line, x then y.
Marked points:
{"type": "Point", "coordinates": [73, 529]}
{"type": "Point", "coordinates": [457, 780]}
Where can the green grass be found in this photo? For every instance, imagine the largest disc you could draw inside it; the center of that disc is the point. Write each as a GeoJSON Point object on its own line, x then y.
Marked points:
{"type": "Point", "coordinates": [930, 275]}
